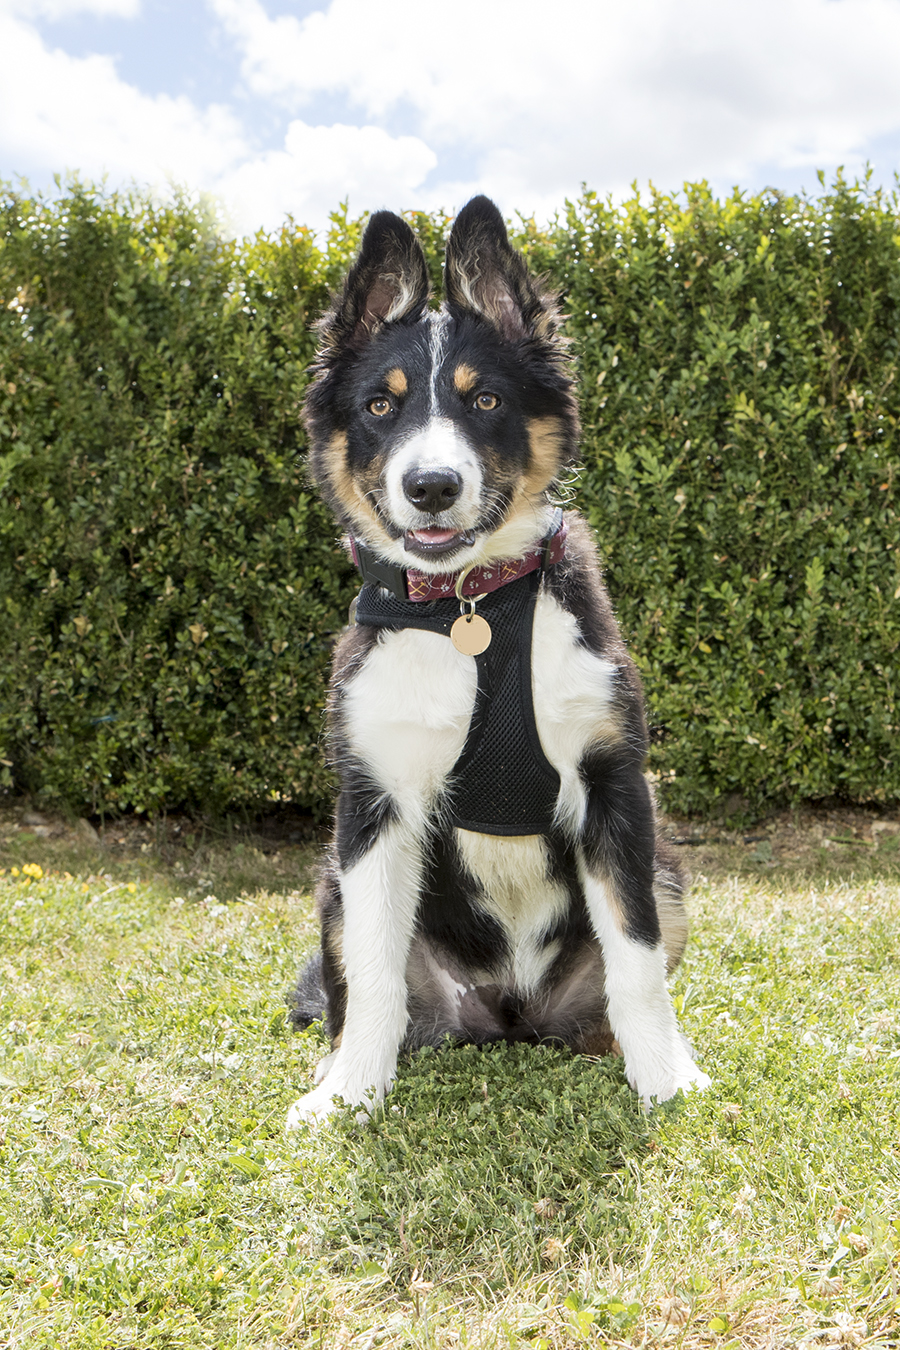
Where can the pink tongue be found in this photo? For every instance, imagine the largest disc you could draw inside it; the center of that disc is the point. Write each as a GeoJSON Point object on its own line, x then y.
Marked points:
{"type": "Point", "coordinates": [434, 535]}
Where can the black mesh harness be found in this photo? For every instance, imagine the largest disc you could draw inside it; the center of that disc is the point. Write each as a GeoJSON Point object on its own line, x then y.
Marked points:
{"type": "Point", "coordinates": [502, 782]}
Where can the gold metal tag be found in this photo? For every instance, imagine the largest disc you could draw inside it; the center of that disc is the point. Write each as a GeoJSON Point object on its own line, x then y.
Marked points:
{"type": "Point", "coordinates": [471, 634]}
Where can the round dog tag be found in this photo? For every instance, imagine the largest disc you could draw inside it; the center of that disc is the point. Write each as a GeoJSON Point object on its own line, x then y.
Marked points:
{"type": "Point", "coordinates": [471, 634]}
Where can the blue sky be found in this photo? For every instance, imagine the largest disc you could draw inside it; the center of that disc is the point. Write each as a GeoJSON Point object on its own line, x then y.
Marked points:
{"type": "Point", "coordinates": [277, 106]}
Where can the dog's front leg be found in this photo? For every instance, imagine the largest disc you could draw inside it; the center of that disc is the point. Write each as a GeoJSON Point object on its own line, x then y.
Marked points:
{"type": "Point", "coordinates": [617, 873]}
{"type": "Point", "coordinates": [380, 894]}
{"type": "Point", "coordinates": [657, 1059]}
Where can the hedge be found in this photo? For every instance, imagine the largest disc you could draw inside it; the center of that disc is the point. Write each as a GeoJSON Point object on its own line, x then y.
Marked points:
{"type": "Point", "coordinates": [169, 580]}
{"type": "Point", "coordinates": [170, 584]}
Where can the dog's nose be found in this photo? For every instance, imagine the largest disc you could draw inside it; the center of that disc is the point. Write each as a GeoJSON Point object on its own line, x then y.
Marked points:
{"type": "Point", "coordinates": [432, 490]}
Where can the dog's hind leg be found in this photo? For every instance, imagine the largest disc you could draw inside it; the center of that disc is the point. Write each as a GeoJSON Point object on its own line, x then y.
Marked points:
{"type": "Point", "coordinates": [380, 895]}
{"type": "Point", "coordinates": [308, 1003]}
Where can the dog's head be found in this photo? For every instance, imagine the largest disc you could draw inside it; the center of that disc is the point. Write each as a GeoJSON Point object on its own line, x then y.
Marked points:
{"type": "Point", "coordinates": [437, 438]}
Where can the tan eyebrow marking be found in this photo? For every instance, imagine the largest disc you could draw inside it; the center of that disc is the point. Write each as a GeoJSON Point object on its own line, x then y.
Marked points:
{"type": "Point", "coordinates": [396, 382]}
{"type": "Point", "coordinates": [465, 378]}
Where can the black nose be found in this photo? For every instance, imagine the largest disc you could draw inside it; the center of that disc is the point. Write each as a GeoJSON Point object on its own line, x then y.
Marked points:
{"type": "Point", "coordinates": [432, 490]}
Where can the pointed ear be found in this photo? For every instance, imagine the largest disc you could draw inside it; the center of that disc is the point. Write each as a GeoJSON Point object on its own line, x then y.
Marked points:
{"type": "Point", "coordinates": [388, 283]}
{"type": "Point", "coordinates": [485, 275]}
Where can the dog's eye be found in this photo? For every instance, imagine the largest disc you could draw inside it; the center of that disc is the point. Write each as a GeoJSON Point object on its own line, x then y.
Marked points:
{"type": "Point", "coordinates": [487, 402]}
{"type": "Point", "coordinates": [379, 407]}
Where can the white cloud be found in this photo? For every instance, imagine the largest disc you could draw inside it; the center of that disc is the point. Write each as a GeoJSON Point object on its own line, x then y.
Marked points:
{"type": "Point", "coordinates": [62, 112]}
{"type": "Point", "coordinates": [594, 90]}
{"type": "Point", "coordinates": [59, 112]}
{"type": "Point", "coordinates": [318, 168]}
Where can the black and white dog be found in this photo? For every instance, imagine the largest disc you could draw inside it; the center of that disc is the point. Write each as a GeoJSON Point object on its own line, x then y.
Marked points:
{"type": "Point", "coordinates": [495, 873]}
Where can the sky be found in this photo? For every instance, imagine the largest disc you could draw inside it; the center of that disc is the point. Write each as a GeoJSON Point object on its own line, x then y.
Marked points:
{"type": "Point", "coordinates": [281, 107]}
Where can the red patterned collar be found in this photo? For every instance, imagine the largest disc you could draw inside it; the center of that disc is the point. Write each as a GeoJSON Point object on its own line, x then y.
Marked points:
{"type": "Point", "coordinates": [408, 583]}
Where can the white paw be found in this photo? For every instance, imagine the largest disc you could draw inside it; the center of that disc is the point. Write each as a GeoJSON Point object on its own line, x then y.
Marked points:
{"type": "Point", "coordinates": [333, 1090]}
{"type": "Point", "coordinates": [323, 1066]}
{"type": "Point", "coordinates": [662, 1080]}
{"type": "Point", "coordinates": [690, 1080]}
{"type": "Point", "coordinates": [311, 1108]}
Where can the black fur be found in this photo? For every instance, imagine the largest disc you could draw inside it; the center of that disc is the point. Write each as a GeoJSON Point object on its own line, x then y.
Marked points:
{"type": "Point", "coordinates": [450, 915]}
{"type": "Point", "coordinates": [363, 810]}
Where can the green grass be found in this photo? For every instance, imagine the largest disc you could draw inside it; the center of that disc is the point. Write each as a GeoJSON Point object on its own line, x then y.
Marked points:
{"type": "Point", "coordinates": [519, 1196]}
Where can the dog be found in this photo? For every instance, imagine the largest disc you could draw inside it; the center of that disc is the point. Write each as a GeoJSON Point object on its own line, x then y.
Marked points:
{"type": "Point", "coordinates": [495, 872]}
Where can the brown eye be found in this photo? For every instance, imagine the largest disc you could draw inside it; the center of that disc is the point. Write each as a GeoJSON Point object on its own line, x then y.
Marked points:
{"type": "Point", "coordinates": [379, 407]}
{"type": "Point", "coordinates": [487, 402]}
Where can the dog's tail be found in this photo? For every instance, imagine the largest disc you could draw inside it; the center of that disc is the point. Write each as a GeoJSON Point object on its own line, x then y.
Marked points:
{"type": "Point", "coordinates": [308, 1001]}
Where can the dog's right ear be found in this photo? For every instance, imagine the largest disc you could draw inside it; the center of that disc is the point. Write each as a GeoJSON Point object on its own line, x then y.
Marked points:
{"type": "Point", "coordinates": [388, 283]}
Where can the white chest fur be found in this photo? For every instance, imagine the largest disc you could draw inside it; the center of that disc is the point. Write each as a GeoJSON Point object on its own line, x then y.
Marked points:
{"type": "Point", "coordinates": [573, 702]}
{"type": "Point", "coordinates": [408, 712]}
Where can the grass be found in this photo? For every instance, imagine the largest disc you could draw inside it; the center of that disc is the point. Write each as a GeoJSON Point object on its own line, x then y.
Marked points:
{"type": "Point", "coordinates": [515, 1197]}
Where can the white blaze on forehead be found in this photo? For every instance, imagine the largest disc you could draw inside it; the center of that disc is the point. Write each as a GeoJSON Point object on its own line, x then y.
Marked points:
{"type": "Point", "coordinates": [436, 347]}
{"type": "Point", "coordinates": [438, 445]}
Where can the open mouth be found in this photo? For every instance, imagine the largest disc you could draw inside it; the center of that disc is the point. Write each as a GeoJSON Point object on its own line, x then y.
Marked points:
{"type": "Point", "coordinates": [433, 542]}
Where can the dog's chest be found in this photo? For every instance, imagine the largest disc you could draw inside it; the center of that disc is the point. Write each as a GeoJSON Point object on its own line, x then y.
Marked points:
{"type": "Point", "coordinates": [408, 710]}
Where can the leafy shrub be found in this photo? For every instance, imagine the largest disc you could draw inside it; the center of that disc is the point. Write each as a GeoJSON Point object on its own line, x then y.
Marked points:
{"type": "Point", "coordinates": [169, 581]}
{"type": "Point", "coordinates": [169, 584]}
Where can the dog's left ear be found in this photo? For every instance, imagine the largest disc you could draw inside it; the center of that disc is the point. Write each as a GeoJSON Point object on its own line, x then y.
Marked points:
{"type": "Point", "coordinates": [484, 274]}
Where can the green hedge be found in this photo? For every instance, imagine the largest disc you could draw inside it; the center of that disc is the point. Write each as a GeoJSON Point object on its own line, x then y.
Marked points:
{"type": "Point", "coordinates": [168, 578]}
{"type": "Point", "coordinates": [169, 584]}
